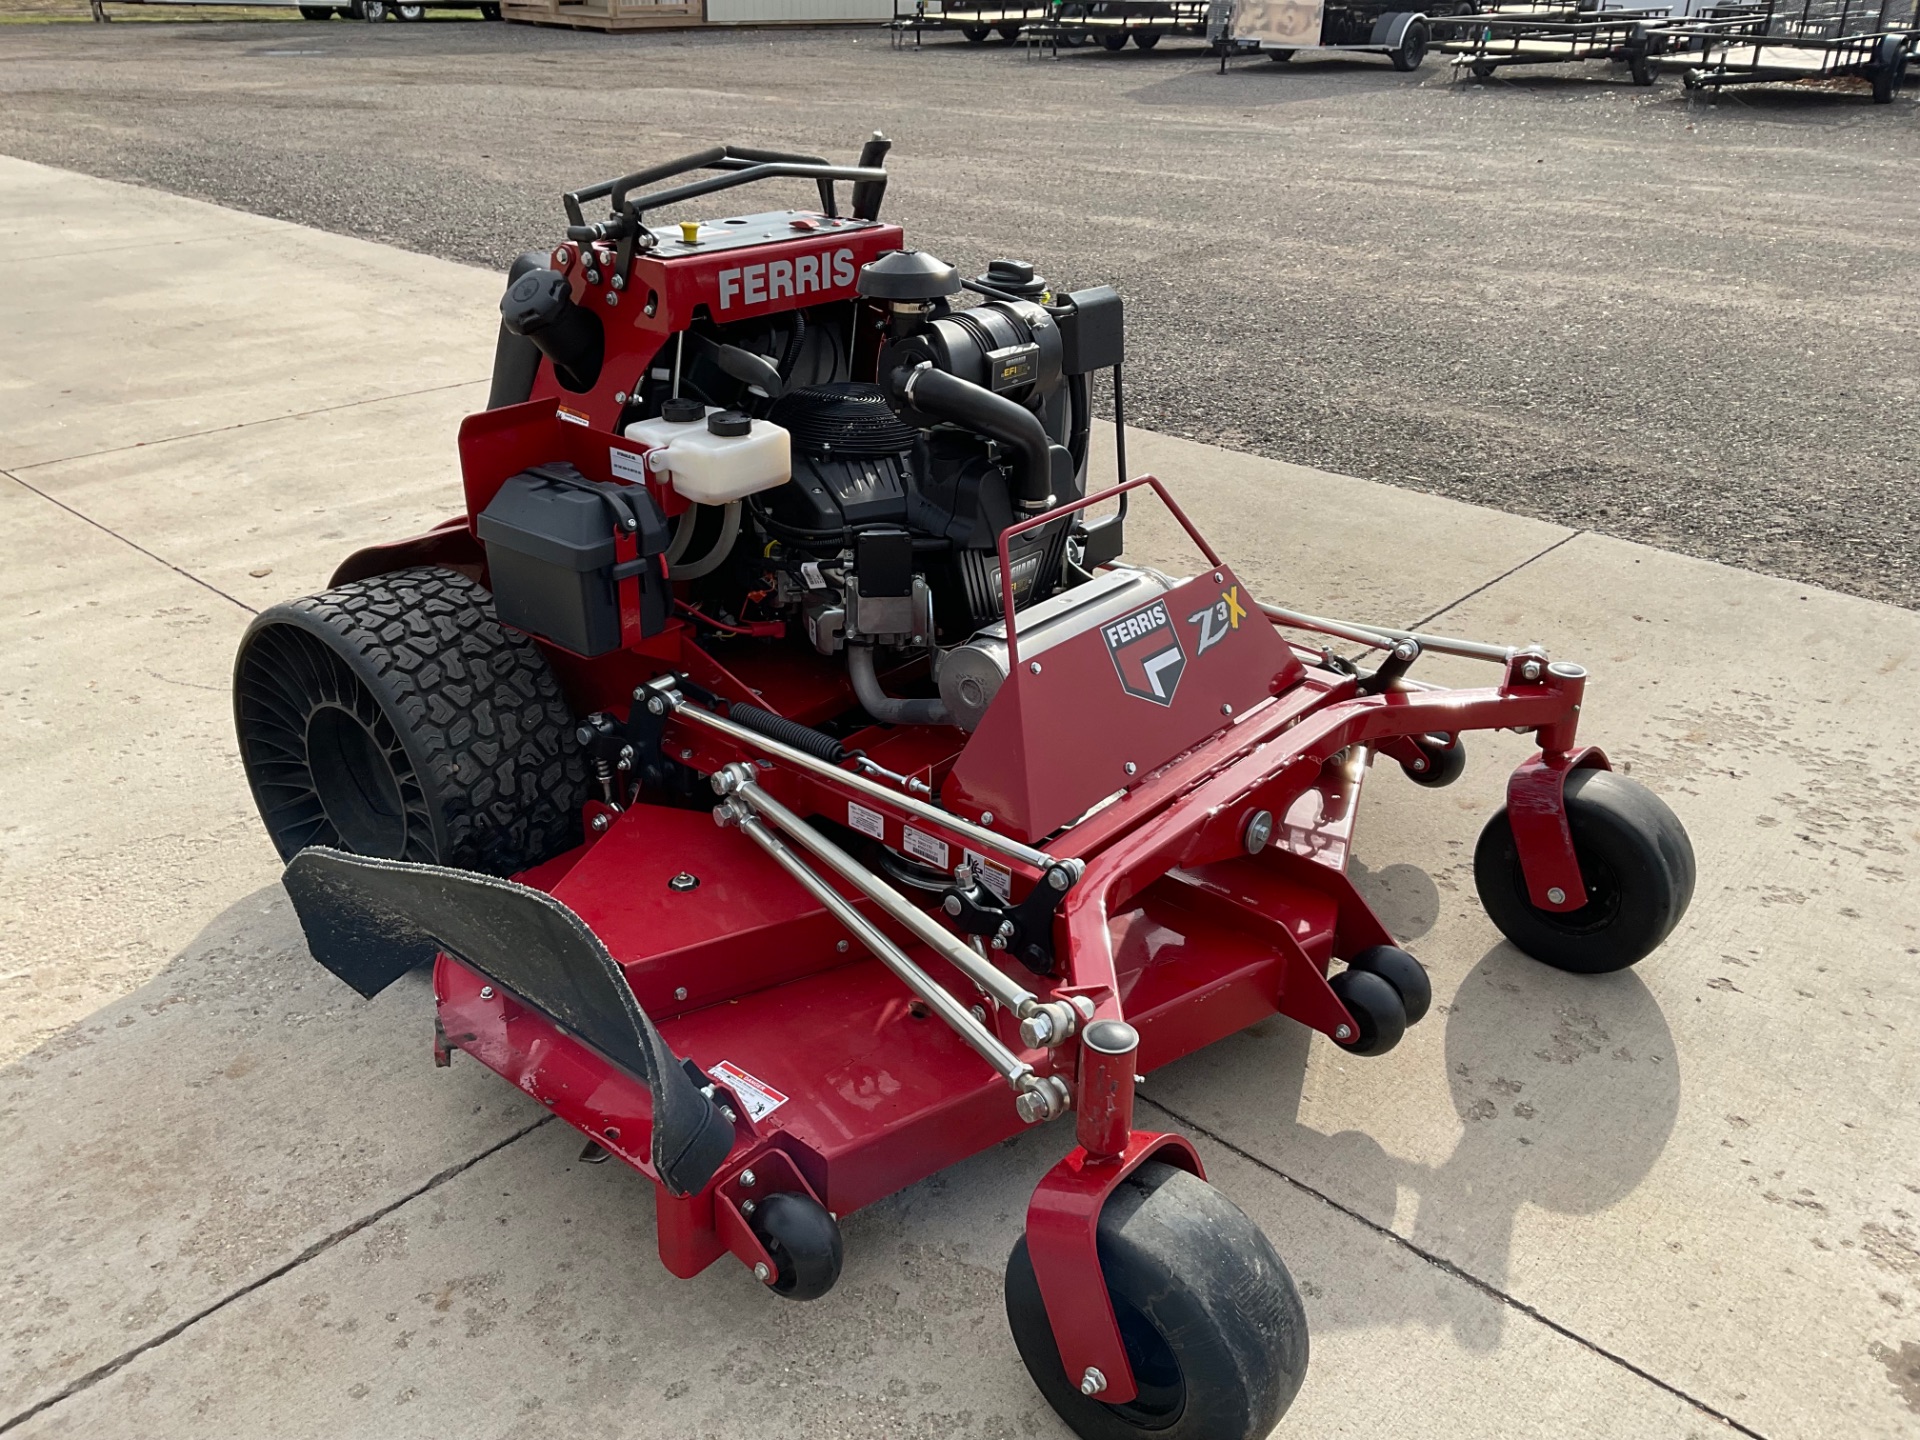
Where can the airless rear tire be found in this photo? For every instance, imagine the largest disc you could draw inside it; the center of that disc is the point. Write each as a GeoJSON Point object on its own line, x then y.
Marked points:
{"type": "Point", "coordinates": [395, 717]}
{"type": "Point", "coordinates": [1214, 1328]}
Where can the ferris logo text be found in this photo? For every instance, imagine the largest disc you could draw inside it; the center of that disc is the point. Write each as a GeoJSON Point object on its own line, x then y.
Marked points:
{"type": "Point", "coordinates": [782, 279]}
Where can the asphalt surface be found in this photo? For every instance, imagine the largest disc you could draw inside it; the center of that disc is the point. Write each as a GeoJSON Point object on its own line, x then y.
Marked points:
{"type": "Point", "coordinates": [1688, 322]}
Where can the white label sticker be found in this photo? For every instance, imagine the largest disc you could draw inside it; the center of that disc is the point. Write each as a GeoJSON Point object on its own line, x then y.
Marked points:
{"type": "Point", "coordinates": [759, 1098]}
{"type": "Point", "coordinates": [572, 417]}
{"type": "Point", "coordinates": [867, 822]}
{"type": "Point", "coordinates": [810, 572]}
{"type": "Point", "coordinates": [998, 879]}
{"type": "Point", "coordinates": [924, 847]}
{"type": "Point", "coordinates": [627, 466]}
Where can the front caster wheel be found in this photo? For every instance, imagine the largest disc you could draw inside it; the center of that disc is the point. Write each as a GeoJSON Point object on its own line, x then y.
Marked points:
{"type": "Point", "coordinates": [1377, 1010]}
{"type": "Point", "coordinates": [1406, 975]}
{"type": "Point", "coordinates": [1214, 1329]}
{"type": "Point", "coordinates": [803, 1240]}
{"type": "Point", "coordinates": [1636, 861]}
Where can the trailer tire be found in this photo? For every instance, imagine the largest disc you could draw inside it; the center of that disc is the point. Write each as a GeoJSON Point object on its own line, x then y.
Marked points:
{"type": "Point", "coordinates": [1637, 863]}
{"type": "Point", "coordinates": [1413, 48]}
{"type": "Point", "coordinates": [975, 34]}
{"type": "Point", "coordinates": [1114, 42]}
{"type": "Point", "coordinates": [316, 12]}
{"type": "Point", "coordinates": [1146, 39]}
{"type": "Point", "coordinates": [1010, 34]}
{"type": "Point", "coordinates": [489, 12]}
{"type": "Point", "coordinates": [1214, 1328]}
{"type": "Point", "coordinates": [395, 717]}
{"type": "Point", "coordinates": [1484, 69]}
{"type": "Point", "coordinates": [1279, 57]}
{"type": "Point", "coordinates": [1889, 69]}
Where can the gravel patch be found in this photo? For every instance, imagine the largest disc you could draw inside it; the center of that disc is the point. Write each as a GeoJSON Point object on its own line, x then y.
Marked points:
{"type": "Point", "coordinates": [1688, 322]}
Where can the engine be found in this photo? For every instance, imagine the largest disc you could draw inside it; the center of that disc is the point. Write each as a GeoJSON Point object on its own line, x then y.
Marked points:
{"type": "Point", "coordinates": [841, 464]}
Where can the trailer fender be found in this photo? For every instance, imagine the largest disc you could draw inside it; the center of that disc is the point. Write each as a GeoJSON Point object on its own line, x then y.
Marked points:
{"type": "Point", "coordinates": [1390, 30]}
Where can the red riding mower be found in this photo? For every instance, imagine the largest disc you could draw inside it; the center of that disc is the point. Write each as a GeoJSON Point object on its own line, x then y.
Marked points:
{"type": "Point", "coordinates": [795, 791]}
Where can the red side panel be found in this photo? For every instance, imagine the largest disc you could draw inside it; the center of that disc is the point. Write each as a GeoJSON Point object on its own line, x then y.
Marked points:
{"type": "Point", "coordinates": [1137, 691]}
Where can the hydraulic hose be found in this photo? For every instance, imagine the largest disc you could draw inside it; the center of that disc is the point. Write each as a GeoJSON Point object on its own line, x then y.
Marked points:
{"type": "Point", "coordinates": [947, 397]}
{"type": "Point", "coordinates": [889, 709]}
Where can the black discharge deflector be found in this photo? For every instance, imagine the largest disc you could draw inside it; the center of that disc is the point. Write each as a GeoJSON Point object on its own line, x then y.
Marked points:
{"type": "Point", "coordinates": [370, 921]}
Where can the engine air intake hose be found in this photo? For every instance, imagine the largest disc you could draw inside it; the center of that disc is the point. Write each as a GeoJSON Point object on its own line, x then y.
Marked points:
{"type": "Point", "coordinates": [947, 397]}
{"type": "Point", "coordinates": [788, 732]}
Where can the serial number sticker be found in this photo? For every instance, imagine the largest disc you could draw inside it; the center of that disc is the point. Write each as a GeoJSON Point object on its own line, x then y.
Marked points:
{"type": "Point", "coordinates": [867, 822]}
{"type": "Point", "coordinates": [759, 1098]}
{"type": "Point", "coordinates": [626, 465]}
{"type": "Point", "coordinates": [810, 572]}
{"type": "Point", "coordinates": [997, 878]}
{"type": "Point", "coordinates": [924, 847]}
{"type": "Point", "coordinates": [572, 417]}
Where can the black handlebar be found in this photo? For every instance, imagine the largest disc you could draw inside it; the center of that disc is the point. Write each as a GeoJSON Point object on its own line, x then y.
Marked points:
{"type": "Point", "coordinates": [739, 165]}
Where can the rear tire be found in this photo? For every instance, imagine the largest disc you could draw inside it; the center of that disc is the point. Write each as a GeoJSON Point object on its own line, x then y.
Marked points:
{"type": "Point", "coordinates": [1214, 1328]}
{"type": "Point", "coordinates": [395, 717]}
{"type": "Point", "coordinates": [373, 11]}
{"type": "Point", "coordinates": [411, 12]}
{"type": "Point", "coordinates": [1413, 48]}
{"type": "Point", "coordinates": [1637, 863]}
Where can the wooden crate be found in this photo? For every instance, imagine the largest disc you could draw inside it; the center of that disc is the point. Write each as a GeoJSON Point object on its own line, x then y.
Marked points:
{"type": "Point", "coordinates": [607, 14]}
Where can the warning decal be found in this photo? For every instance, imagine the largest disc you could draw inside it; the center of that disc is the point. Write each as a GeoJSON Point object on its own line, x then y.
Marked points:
{"type": "Point", "coordinates": [1146, 652]}
{"type": "Point", "coordinates": [759, 1098]}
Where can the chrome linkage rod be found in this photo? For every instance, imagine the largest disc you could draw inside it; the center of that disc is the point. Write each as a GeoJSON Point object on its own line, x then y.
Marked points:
{"type": "Point", "coordinates": [1387, 637]}
{"type": "Point", "coordinates": [661, 698]}
{"type": "Point", "coordinates": [1043, 1023]}
{"type": "Point", "coordinates": [1039, 1097]}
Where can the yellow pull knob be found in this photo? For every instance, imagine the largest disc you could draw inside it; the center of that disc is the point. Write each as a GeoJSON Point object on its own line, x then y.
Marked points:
{"type": "Point", "coordinates": [690, 232]}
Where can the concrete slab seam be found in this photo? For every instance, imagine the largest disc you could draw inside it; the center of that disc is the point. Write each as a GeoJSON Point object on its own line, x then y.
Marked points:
{"type": "Point", "coordinates": [249, 424]}
{"type": "Point", "coordinates": [134, 544]}
{"type": "Point", "coordinates": [313, 1251]}
{"type": "Point", "coordinates": [1504, 575]}
{"type": "Point", "coordinates": [1447, 1267]}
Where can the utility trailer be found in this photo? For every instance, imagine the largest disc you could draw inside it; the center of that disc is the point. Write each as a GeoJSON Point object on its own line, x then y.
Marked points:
{"type": "Point", "coordinates": [1870, 40]}
{"type": "Point", "coordinates": [974, 20]}
{"type": "Point", "coordinates": [1059, 25]}
{"type": "Point", "coordinates": [1557, 34]}
{"type": "Point", "coordinates": [1281, 29]}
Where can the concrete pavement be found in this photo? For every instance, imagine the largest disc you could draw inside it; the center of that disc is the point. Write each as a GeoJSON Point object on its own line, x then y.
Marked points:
{"type": "Point", "coordinates": [237, 1201]}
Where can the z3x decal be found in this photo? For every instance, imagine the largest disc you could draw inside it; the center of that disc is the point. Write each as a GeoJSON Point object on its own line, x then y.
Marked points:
{"type": "Point", "coordinates": [1218, 620]}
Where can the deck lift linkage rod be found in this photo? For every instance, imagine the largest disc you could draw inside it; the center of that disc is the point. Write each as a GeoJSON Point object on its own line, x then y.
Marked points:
{"type": "Point", "coordinates": [1043, 1023]}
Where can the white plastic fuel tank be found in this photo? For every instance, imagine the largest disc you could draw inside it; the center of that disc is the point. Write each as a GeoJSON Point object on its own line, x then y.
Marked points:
{"type": "Point", "coordinates": [715, 457]}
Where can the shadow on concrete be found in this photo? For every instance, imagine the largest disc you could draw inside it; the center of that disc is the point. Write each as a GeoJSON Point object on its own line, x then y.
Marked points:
{"type": "Point", "coordinates": [1566, 1089]}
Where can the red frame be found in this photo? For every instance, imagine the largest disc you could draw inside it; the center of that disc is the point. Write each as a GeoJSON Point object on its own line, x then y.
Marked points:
{"type": "Point", "coordinates": [1172, 926]}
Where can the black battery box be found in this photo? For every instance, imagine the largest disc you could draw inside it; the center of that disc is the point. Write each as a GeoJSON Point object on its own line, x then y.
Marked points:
{"type": "Point", "coordinates": [554, 541]}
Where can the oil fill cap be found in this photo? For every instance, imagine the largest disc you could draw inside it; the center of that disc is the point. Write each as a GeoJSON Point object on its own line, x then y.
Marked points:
{"type": "Point", "coordinates": [729, 422]}
{"type": "Point", "coordinates": [680, 410]}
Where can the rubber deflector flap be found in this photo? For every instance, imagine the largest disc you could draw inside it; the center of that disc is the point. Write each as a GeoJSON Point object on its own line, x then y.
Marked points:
{"type": "Point", "coordinates": [370, 921]}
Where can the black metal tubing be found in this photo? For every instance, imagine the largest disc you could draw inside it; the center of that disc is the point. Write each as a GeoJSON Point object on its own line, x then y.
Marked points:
{"type": "Point", "coordinates": [740, 165]}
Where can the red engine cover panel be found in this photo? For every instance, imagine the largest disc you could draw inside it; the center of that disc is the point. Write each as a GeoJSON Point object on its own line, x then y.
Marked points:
{"type": "Point", "coordinates": [1103, 710]}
